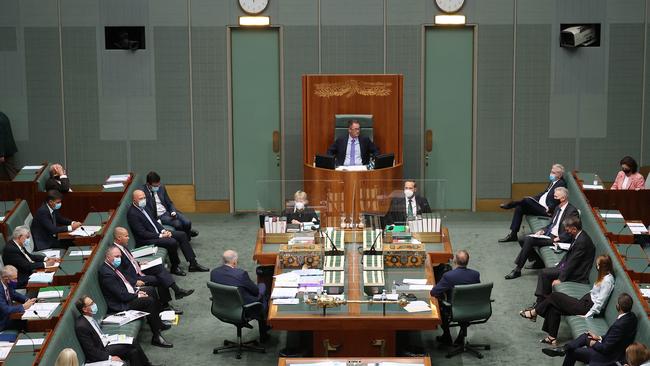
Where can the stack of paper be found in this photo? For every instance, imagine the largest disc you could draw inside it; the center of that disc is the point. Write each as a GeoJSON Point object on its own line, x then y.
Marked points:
{"type": "Point", "coordinates": [293, 301]}
{"type": "Point", "coordinates": [4, 350]}
{"type": "Point", "coordinates": [645, 292]}
{"type": "Point", "coordinates": [51, 292]}
{"type": "Point", "coordinates": [86, 231]}
{"type": "Point", "coordinates": [119, 339]}
{"type": "Point", "coordinates": [592, 186]}
{"type": "Point", "coordinates": [51, 253]}
{"type": "Point", "coordinates": [30, 342]}
{"type": "Point", "coordinates": [124, 317]}
{"type": "Point", "coordinates": [284, 293]}
{"type": "Point", "coordinates": [78, 253]}
{"type": "Point", "coordinates": [144, 251]}
{"type": "Point", "coordinates": [539, 236]}
{"type": "Point", "coordinates": [54, 265]}
{"type": "Point", "coordinates": [152, 263]}
{"type": "Point", "coordinates": [417, 307]}
{"type": "Point", "coordinates": [41, 277]}
{"type": "Point", "coordinates": [168, 315]}
{"type": "Point", "coordinates": [32, 167]}
{"type": "Point", "coordinates": [40, 310]}
{"type": "Point", "coordinates": [118, 178]}
{"type": "Point", "coordinates": [105, 363]}
{"type": "Point", "coordinates": [562, 246]}
{"type": "Point", "coordinates": [637, 228]}
{"type": "Point", "coordinates": [113, 185]}
{"type": "Point", "coordinates": [612, 215]}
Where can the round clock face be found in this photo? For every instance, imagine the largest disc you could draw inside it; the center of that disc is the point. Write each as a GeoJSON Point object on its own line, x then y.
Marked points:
{"type": "Point", "coordinates": [253, 6]}
{"type": "Point", "coordinates": [450, 6]}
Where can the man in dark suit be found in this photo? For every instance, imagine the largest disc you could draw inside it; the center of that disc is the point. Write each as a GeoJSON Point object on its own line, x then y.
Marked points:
{"type": "Point", "coordinates": [48, 222]}
{"type": "Point", "coordinates": [353, 149]}
{"type": "Point", "coordinates": [161, 206]}
{"type": "Point", "coordinates": [8, 296]}
{"type": "Point", "coordinates": [554, 231]}
{"type": "Point", "coordinates": [461, 275]}
{"type": "Point", "coordinates": [8, 169]}
{"type": "Point", "coordinates": [574, 266]}
{"type": "Point", "coordinates": [609, 349]}
{"type": "Point", "coordinates": [14, 253]}
{"type": "Point", "coordinates": [121, 295]}
{"type": "Point", "coordinates": [156, 276]}
{"type": "Point", "coordinates": [228, 274]}
{"type": "Point", "coordinates": [94, 342]}
{"type": "Point", "coordinates": [541, 204]}
{"type": "Point", "coordinates": [410, 204]}
{"type": "Point", "coordinates": [58, 180]}
{"type": "Point", "coordinates": [147, 230]}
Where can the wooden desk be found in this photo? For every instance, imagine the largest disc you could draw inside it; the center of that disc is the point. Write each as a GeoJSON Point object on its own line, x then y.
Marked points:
{"type": "Point", "coordinates": [424, 361]}
{"type": "Point", "coordinates": [93, 218]}
{"type": "Point", "coordinates": [25, 186]}
{"type": "Point", "coordinates": [358, 329]}
{"type": "Point", "coordinates": [26, 355]}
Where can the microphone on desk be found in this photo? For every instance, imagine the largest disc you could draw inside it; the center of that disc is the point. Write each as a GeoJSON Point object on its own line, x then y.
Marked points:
{"type": "Point", "coordinates": [334, 248]}
{"type": "Point", "coordinates": [84, 230]}
{"type": "Point", "coordinates": [372, 249]}
{"type": "Point", "coordinates": [31, 339]}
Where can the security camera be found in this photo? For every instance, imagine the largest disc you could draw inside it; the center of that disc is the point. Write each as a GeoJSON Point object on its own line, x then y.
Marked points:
{"type": "Point", "coordinates": [578, 36]}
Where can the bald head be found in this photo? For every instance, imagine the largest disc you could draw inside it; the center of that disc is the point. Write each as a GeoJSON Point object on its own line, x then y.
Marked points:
{"type": "Point", "coordinates": [461, 258]}
{"type": "Point", "coordinates": [138, 195]}
{"type": "Point", "coordinates": [230, 258]}
{"type": "Point", "coordinates": [121, 236]}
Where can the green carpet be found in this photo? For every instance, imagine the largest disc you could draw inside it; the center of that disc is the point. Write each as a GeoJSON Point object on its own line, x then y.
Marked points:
{"type": "Point", "coordinates": [514, 340]}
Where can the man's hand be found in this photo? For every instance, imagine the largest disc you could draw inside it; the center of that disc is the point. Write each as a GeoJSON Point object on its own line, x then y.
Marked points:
{"type": "Point", "coordinates": [139, 283]}
{"type": "Point", "coordinates": [50, 261]}
{"type": "Point", "coordinates": [592, 342]}
{"type": "Point", "coordinates": [294, 221]}
{"type": "Point", "coordinates": [28, 304]}
{"type": "Point", "coordinates": [75, 225]}
{"type": "Point", "coordinates": [166, 234]}
{"type": "Point", "coordinates": [556, 239]}
{"type": "Point", "coordinates": [2, 159]}
{"type": "Point", "coordinates": [116, 358]}
{"type": "Point", "coordinates": [556, 282]}
{"type": "Point", "coordinates": [539, 232]}
{"type": "Point", "coordinates": [173, 214]}
{"type": "Point", "coordinates": [142, 294]}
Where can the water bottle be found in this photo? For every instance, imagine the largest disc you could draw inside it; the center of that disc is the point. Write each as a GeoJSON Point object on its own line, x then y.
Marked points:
{"type": "Point", "coordinates": [305, 296]}
{"type": "Point", "coordinates": [393, 289]}
{"type": "Point", "coordinates": [596, 180]}
{"type": "Point", "coordinates": [383, 295]}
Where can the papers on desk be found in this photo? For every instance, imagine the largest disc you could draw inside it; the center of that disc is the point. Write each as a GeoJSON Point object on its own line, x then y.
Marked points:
{"type": "Point", "coordinates": [2, 218]}
{"type": "Point", "coordinates": [352, 168]}
{"type": "Point", "coordinates": [55, 265]}
{"type": "Point", "coordinates": [51, 293]}
{"type": "Point", "coordinates": [30, 342]}
{"type": "Point", "coordinates": [417, 307]}
{"type": "Point", "coordinates": [151, 263]}
{"type": "Point", "coordinates": [119, 339]}
{"type": "Point", "coordinates": [592, 186]}
{"type": "Point", "coordinates": [118, 178]}
{"type": "Point", "coordinates": [144, 251]}
{"type": "Point", "coordinates": [105, 363]}
{"type": "Point", "coordinates": [124, 317]}
{"type": "Point", "coordinates": [538, 236]}
{"type": "Point", "coordinates": [167, 316]}
{"type": "Point", "coordinates": [562, 246]}
{"type": "Point", "coordinates": [32, 167]}
{"type": "Point", "coordinates": [614, 215]}
{"type": "Point", "coordinates": [51, 253]}
{"type": "Point", "coordinates": [294, 301]}
{"type": "Point", "coordinates": [40, 310]}
{"type": "Point", "coordinates": [283, 293]}
{"type": "Point", "coordinates": [420, 287]}
{"type": "Point", "coordinates": [392, 297]}
{"type": "Point", "coordinates": [415, 281]}
{"type": "Point", "coordinates": [637, 228]}
{"type": "Point", "coordinates": [41, 277]}
{"type": "Point", "coordinates": [645, 292]}
{"type": "Point", "coordinates": [5, 349]}
{"type": "Point", "coordinates": [113, 185]}
{"type": "Point", "coordinates": [78, 253]}
{"type": "Point", "coordinates": [85, 231]}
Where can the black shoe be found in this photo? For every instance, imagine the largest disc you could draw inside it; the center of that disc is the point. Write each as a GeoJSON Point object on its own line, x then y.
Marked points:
{"type": "Point", "coordinates": [514, 274]}
{"type": "Point", "coordinates": [536, 265]}
{"type": "Point", "coordinates": [178, 271]}
{"type": "Point", "coordinates": [509, 237]}
{"type": "Point", "coordinates": [196, 267]}
{"type": "Point", "coordinates": [554, 351]}
{"type": "Point", "coordinates": [158, 341]}
{"type": "Point", "coordinates": [176, 311]}
{"type": "Point", "coordinates": [181, 293]}
{"type": "Point", "coordinates": [444, 339]}
{"type": "Point", "coordinates": [194, 233]}
{"type": "Point", "coordinates": [506, 206]}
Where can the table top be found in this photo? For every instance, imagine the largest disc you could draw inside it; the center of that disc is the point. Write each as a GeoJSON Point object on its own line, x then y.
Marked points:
{"type": "Point", "coordinates": [424, 361]}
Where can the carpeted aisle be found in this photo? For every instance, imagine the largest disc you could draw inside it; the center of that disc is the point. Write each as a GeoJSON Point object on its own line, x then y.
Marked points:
{"type": "Point", "coordinates": [514, 340]}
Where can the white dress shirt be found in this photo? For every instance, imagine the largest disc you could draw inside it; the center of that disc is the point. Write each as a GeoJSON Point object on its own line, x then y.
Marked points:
{"type": "Point", "coordinates": [600, 293]}
{"type": "Point", "coordinates": [357, 152]}
{"type": "Point", "coordinates": [556, 228]}
{"type": "Point", "coordinates": [542, 200]}
{"type": "Point", "coordinates": [160, 208]}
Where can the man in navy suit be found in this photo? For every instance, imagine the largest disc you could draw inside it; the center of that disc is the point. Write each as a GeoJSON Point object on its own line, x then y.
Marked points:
{"type": "Point", "coordinates": [48, 222]}
{"type": "Point", "coordinates": [609, 349]}
{"type": "Point", "coordinates": [161, 206]}
{"type": "Point", "coordinates": [147, 230]}
{"type": "Point", "coordinates": [461, 275]}
{"type": "Point", "coordinates": [410, 204]}
{"type": "Point", "coordinates": [8, 296]}
{"type": "Point", "coordinates": [228, 274]}
{"type": "Point", "coordinates": [14, 253]}
{"type": "Point", "coordinates": [353, 149]}
{"type": "Point", "coordinates": [541, 204]}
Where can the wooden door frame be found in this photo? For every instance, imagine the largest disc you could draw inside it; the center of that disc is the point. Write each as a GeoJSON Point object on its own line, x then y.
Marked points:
{"type": "Point", "coordinates": [423, 52]}
{"type": "Point", "coordinates": [231, 160]}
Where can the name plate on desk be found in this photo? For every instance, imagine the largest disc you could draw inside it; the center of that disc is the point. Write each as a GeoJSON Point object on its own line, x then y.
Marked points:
{"type": "Point", "coordinates": [334, 282]}
{"type": "Point", "coordinates": [371, 237]}
{"type": "Point", "coordinates": [404, 255]}
{"type": "Point", "coordinates": [373, 282]}
{"type": "Point", "coordinates": [334, 263]}
{"type": "Point", "coordinates": [297, 255]}
{"type": "Point", "coordinates": [373, 262]}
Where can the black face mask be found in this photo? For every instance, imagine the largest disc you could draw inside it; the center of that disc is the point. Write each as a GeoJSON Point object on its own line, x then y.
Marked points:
{"type": "Point", "coordinates": [626, 170]}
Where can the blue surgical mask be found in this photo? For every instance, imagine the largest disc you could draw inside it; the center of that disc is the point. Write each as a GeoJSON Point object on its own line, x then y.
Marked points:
{"type": "Point", "coordinates": [155, 189]}
{"type": "Point", "coordinates": [12, 284]}
{"type": "Point", "coordinates": [93, 309]}
{"type": "Point", "coordinates": [142, 203]}
{"type": "Point", "coordinates": [117, 261]}
{"type": "Point", "coordinates": [552, 178]}
{"type": "Point", "coordinates": [27, 242]}
{"type": "Point", "coordinates": [57, 206]}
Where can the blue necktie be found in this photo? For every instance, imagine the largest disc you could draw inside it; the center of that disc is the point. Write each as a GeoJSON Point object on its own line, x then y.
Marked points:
{"type": "Point", "coordinates": [353, 157]}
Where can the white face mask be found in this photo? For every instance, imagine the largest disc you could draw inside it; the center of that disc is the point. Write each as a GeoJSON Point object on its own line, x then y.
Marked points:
{"type": "Point", "coordinates": [300, 205]}
{"type": "Point", "coordinates": [142, 203]}
{"type": "Point", "coordinates": [408, 193]}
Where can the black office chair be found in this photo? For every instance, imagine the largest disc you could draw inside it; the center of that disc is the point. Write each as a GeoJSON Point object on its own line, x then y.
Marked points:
{"type": "Point", "coordinates": [228, 306]}
{"type": "Point", "coordinates": [470, 305]}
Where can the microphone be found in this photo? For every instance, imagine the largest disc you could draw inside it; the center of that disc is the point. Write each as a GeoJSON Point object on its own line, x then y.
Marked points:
{"type": "Point", "coordinates": [372, 249]}
{"type": "Point", "coordinates": [31, 339]}
{"type": "Point", "coordinates": [84, 230]}
{"type": "Point", "coordinates": [335, 249]}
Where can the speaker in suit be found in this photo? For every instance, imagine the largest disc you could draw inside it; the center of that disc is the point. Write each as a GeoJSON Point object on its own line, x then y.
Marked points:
{"type": "Point", "coordinates": [91, 338]}
{"type": "Point", "coordinates": [14, 253]}
{"type": "Point", "coordinates": [121, 294]}
{"type": "Point", "coordinates": [8, 149]}
{"type": "Point", "coordinates": [574, 266]}
{"type": "Point", "coordinates": [353, 149]}
{"type": "Point", "coordinates": [48, 222]}
{"type": "Point", "coordinates": [541, 204]}
{"type": "Point", "coordinates": [161, 206]}
{"type": "Point", "coordinates": [9, 296]}
{"type": "Point", "coordinates": [229, 275]}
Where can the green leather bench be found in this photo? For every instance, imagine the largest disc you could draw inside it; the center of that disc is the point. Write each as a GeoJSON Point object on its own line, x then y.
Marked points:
{"type": "Point", "coordinates": [64, 336]}
{"type": "Point", "coordinates": [535, 223]}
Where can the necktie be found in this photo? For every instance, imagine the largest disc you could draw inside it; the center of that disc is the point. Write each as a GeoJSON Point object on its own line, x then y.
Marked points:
{"type": "Point", "coordinates": [554, 222]}
{"type": "Point", "coordinates": [133, 262]}
{"type": "Point", "coordinates": [7, 295]}
{"type": "Point", "coordinates": [353, 157]}
{"type": "Point", "coordinates": [410, 209]}
{"type": "Point", "coordinates": [128, 286]}
{"type": "Point", "coordinates": [150, 221]}
{"type": "Point", "coordinates": [22, 250]}
{"type": "Point", "coordinates": [53, 219]}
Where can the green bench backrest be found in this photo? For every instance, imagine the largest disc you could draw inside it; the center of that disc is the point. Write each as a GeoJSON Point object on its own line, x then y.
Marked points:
{"type": "Point", "coordinates": [17, 218]}
{"type": "Point", "coordinates": [42, 179]}
{"type": "Point", "coordinates": [64, 337]}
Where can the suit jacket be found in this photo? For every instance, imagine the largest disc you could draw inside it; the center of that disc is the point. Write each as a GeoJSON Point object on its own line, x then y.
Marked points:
{"type": "Point", "coordinates": [565, 237]}
{"type": "Point", "coordinates": [612, 347]}
{"type": "Point", "coordinates": [89, 340]}
{"type": "Point", "coordinates": [44, 229]}
{"type": "Point", "coordinates": [140, 226]}
{"type": "Point", "coordinates": [13, 254]}
{"type": "Point", "coordinates": [636, 181]}
{"type": "Point", "coordinates": [7, 144]}
{"type": "Point", "coordinates": [577, 262]}
{"type": "Point", "coordinates": [457, 276]}
{"type": "Point", "coordinates": [229, 276]}
{"type": "Point", "coordinates": [152, 277]}
{"type": "Point", "coordinates": [115, 292]}
{"type": "Point", "coordinates": [164, 199]}
{"type": "Point", "coordinates": [58, 184]}
{"type": "Point", "coordinates": [397, 209]}
{"type": "Point", "coordinates": [551, 202]}
{"type": "Point", "coordinates": [340, 147]}
{"type": "Point", "coordinates": [7, 307]}
{"type": "Point", "coordinates": [308, 214]}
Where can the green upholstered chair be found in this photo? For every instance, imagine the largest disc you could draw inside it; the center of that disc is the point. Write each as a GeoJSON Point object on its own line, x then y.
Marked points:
{"type": "Point", "coordinates": [341, 124]}
{"type": "Point", "coordinates": [471, 304]}
{"type": "Point", "coordinates": [228, 306]}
